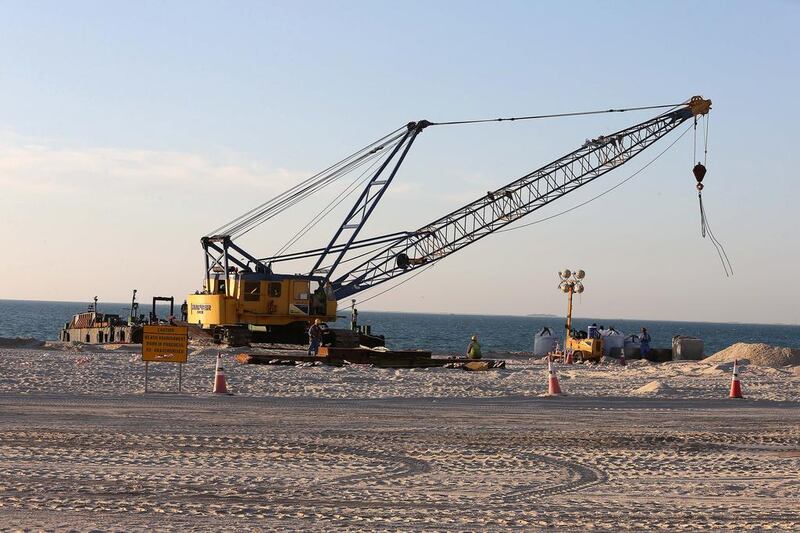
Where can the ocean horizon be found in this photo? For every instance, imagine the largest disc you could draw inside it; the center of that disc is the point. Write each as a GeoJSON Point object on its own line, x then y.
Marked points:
{"type": "Point", "coordinates": [439, 332]}
{"type": "Point", "coordinates": [148, 304]}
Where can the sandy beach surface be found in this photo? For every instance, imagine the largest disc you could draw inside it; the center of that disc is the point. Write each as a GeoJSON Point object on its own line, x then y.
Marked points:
{"type": "Point", "coordinates": [642, 447]}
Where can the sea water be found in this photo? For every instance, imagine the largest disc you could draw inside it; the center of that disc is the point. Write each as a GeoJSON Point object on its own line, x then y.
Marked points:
{"type": "Point", "coordinates": [441, 333]}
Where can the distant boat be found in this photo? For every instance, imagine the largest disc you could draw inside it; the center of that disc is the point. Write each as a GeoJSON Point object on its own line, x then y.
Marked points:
{"type": "Point", "coordinates": [93, 327]}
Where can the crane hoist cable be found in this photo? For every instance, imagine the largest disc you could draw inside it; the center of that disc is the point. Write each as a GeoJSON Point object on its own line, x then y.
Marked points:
{"type": "Point", "coordinates": [265, 211]}
{"type": "Point", "coordinates": [707, 228]}
{"type": "Point", "coordinates": [362, 243]}
{"type": "Point", "coordinates": [573, 208]}
{"type": "Point", "coordinates": [593, 198]}
{"type": "Point", "coordinates": [507, 204]}
{"type": "Point", "coordinates": [312, 183]}
{"type": "Point", "coordinates": [485, 215]}
{"type": "Point", "coordinates": [320, 176]}
{"type": "Point", "coordinates": [699, 170]}
{"type": "Point", "coordinates": [349, 190]}
{"type": "Point", "coordinates": [280, 204]}
{"type": "Point", "coordinates": [286, 203]}
{"type": "Point", "coordinates": [384, 291]}
{"type": "Point", "coordinates": [560, 213]}
{"type": "Point", "coordinates": [670, 106]}
{"type": "Point", "coordinates": [382, 240]}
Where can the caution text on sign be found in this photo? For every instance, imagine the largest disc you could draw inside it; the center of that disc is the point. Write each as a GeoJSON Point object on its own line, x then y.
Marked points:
{"type": "Point", "coordinates": [165, 344]}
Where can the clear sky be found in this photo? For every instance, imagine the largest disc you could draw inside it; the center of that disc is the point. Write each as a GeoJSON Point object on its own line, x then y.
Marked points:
{"type": "Point", "coordinates": [130, 129]}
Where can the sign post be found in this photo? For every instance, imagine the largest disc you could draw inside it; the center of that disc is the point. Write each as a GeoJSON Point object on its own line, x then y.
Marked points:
{"type": "Point", "coordinates": [165, 344]}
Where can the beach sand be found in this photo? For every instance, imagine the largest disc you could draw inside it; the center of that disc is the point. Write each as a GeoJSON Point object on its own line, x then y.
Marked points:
{"type": "Point", "coordinates": [642, 447]}
{"type": "Point", "coordinates": [118, 369]}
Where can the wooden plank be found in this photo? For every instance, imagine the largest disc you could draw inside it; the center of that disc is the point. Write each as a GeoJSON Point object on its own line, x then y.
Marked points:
{"type": "Point", "coordinates": [390, 359]}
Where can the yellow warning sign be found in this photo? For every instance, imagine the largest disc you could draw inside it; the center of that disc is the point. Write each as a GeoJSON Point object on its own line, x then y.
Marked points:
{"type": "Point", "coordinates": [165, 344]}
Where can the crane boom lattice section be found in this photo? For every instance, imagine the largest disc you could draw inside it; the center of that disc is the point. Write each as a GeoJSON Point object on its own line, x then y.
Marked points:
{"type": "Point", "coordinates": [508, 204]}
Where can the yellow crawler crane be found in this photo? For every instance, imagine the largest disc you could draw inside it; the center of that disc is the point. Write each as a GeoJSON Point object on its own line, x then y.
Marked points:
{"type": "Point", "coordinates": [243, 296]}
{"type": "Point", "coordinates": [249, 298]}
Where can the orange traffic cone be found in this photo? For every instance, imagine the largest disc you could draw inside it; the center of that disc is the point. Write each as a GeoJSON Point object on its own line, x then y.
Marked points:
{"type": "Point", "coordinates": [568, 358]}
{"type": "Point", "coordinates": [220, 385]}
{"type": "Point", "coordinates": [553, 388]}
{"type": "Point", "coordinates": [736, 385]}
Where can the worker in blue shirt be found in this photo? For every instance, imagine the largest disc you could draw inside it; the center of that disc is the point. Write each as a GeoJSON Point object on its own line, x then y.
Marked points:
{"type": "Point", "coordinates": [644, 342]}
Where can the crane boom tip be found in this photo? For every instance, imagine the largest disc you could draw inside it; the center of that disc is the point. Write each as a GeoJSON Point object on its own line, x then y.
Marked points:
{"type": "Point", "coordinates": [699, 105]}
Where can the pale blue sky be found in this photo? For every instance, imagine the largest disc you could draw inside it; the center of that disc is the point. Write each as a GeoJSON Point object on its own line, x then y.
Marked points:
{"type": "Point", "coordinates": [128, 130]}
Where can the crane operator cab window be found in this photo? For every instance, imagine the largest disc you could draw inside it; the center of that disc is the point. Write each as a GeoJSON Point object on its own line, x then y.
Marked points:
{"type": "Point", "coordinates": [252, 291]}
{"type": "Point", "coordinates": [217, 286]}
{"type": "Point", "coordinates": [275, 289]}
{"type": "Point", "coordinates": [319, 301]}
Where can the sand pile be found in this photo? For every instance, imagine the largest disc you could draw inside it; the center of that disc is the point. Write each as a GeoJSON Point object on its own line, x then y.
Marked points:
{"type": "Point", "coordinates": [654, 387]}
{"type": "Point", "coordinates": [6, 342]}
{"type": "Point", "coordinates": [757, 354]}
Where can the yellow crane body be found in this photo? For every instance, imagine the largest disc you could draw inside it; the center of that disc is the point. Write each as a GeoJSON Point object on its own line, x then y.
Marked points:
{"type": "Point", "coordinates": [240, 299]}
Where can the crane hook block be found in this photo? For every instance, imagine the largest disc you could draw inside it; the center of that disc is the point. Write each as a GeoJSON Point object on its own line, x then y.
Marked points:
{"type": "Point", "coordinates": [699, 172]}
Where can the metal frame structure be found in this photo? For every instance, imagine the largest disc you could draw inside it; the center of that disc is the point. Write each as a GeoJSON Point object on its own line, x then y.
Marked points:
{"type": "Point", "coordinates": [156, 299]}
{"type": "Point", "coordinates": [508, 204]}
{"type": "Point", "coordinates": [218, 258]}
{"type": "Point", "coordinates": [366, 203]}
{"type": "Point", "coordinates": [404, 252]}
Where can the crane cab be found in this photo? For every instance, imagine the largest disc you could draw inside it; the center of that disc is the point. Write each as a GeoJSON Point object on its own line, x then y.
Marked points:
{"type": "Point", "coordinates": [276, 308]}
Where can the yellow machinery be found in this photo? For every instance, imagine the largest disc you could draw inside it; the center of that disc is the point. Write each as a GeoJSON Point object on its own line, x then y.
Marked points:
{"type": "Point", "coordinates": [242, 293]}
{"type": "Point", "coordinates": [583, 347]}
{"type": "Point", "coordinates": [261, 304]}
{"type": "Point", "coordinates": [274, 307]}
{"type": "Point", "coordinates": [586, 349]}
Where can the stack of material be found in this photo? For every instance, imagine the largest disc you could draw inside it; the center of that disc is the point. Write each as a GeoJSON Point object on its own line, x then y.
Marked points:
{"type": "Point", "coordinates": [632, 347]}
{"type": "Point", "coordinates": [613, 342]}
{"type": "Point", "coordinates": [544, 342]}
{"type": "Point", "coordinates": [686, 348]}
{"type": "Point", "coordinates": [342, 338]}
{"type": "Point", "coordinates": [337, 355]}
{"type": "Point", "coordinates": [659, 355]}
{"type": "Point", "coordinates": [381, 357]}
{"type": "Point", "coordinates": [483, 364]}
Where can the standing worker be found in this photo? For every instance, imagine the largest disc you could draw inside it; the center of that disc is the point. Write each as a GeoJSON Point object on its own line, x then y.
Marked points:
{"type": "Point", "coordinates": [184, 311]}
{"type": "Point", "coordinates": [644, 343]}
{"type": "Point", "coordinates": [314, 337]}
{"type": "Point", "coordinates": [474, 348]}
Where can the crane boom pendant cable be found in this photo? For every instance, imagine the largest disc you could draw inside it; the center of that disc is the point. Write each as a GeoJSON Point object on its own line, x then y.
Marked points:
{"type": "Point", "coordinates": [556, 115]}
{"type": "Point", "coordinates": [440, 238]}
